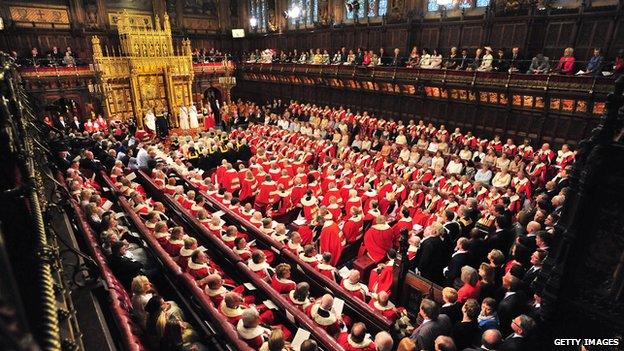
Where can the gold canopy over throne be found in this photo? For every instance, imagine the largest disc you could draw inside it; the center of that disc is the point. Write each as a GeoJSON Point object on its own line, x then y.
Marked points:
{"type": "Point", "coordinates": [145, 72]}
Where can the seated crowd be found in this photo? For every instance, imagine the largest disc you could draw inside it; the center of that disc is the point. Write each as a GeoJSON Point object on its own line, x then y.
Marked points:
{"type": "Point", "coordinates": [54, 58]}
{"type": "Point", "coordinates": [483, 59]}
{"type": "Point", "coordinates": [250, 320]}
{"type": "Point", "coordinates": [478, 216]}
{"type": "Point", "coordinates": [207, 56]}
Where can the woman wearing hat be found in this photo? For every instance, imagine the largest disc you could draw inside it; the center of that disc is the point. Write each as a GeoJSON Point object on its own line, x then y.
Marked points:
{"type": "Point", "coordinates": [486, 62]}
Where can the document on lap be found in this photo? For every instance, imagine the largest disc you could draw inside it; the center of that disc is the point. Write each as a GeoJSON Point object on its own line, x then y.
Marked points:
{"type": "Point", "coordinates": [249, 286]}
{"type": "Point", "coordinates": [270, 305]}
{"type": "Point", "coordinates": [301, 336]}
{"type": "Point", "coordinates": [344, 272]}
{"type": "Point", "coordinates": [338, 306]}
{"type": "Point", "coordinates": [107, 205]}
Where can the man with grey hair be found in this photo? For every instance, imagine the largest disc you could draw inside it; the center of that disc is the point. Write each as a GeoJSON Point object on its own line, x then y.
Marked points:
{"type": "Point", "coordinates": [432, 326]}
{"type": "Point", "coordinates": [383, 341]}
{"type": "Point", "coordinates": [354, 287]}
{"type": "Point", "coordinates": [249, 329]}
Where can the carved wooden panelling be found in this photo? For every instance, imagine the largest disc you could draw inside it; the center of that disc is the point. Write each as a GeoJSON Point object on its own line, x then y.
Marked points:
{"type": "Point", "coordinates": [508, 35]}
{"type": "Point", "coordinates": [449, 37]}
{"type": "Point", "coordinates": [429, 38]}
{"type": "Point", "coordinates": [618, 39]}
{"type": "Point", "coordinates": [39, 16]}
{"type": "Point", "coordinates": [204, 8]}
{"type": "Point", "coordinates": [201, 23]}
{"type": "Point", "coordinates": [398, 38]}
{"type": "Point", "coordinates": [591, 34]}
{"type": "Point", "coordinates": [559, 35]}
{"type": "Point", "coordinates": [472, 37]}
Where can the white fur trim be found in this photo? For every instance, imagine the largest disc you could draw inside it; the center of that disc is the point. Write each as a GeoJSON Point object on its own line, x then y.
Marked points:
{"type": "Point", "coordinates": [359, 345]}
{"type": "Point", "coordinates": [350, 286]}
{"type": "Point", "coordinates": [256, 267]}
{"type": "Point", "coordinates": [230, 312]}
{"type": "Point", "coordinates": [184, 252]}
{"type": "Point", "coordinates": [197, 266]}
{"type": "Point", "coordinates": [311, 202]}
{"type": "Point", "coordinates": [324, 321]}
{"type": "Point", "coordinates": [211, 292]}
{"type": "Point", "coordinates": [305, 258]}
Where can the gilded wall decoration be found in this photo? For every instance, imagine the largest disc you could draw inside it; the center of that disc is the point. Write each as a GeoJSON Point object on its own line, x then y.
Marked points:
{"type": "Point", "coordinates": [29, 16]}
{"type": "Point", "coordinates": [135, 19]}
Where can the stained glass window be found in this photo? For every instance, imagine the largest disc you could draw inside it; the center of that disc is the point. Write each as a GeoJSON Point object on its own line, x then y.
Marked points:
{"type": "Point", "coordinates": [371, 8]}
{"type": "Point", "coordinates": [465, 4]}
{"type": "Point", "coordinates": [361, 12]}
{"type": "Point", "coordinates": [308, 12]}
{"type": "Point", "coordinates": [436, 5]}
{"type": "Point", "coordinates": [383, 7]}
{"type": "Point", "coordinates": [258, 11]}
{"type": "Point", "coordinates": [432, 5]}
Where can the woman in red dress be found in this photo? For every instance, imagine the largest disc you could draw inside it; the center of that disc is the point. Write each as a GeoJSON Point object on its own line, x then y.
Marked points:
{"type": "Point", "coordinates": [209, 120]}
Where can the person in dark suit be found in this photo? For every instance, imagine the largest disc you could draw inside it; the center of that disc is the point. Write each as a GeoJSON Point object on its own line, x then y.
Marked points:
{"type": "Point", "coordinates": [432, 326]}
{"type": "Point", "coordinates": [89, 162]}
{"type": "Point", "coordinates": [162, 123]}
{"type": "Point", "coordinates": [451, 308]}
{"type": "Point", "coordinates": [463, 62]}
{"type": "Point", "coordinates": [512, 302]}
{"type": "Point", "coordinates": [452, 228]}
{"type": "Point", "coordinates": [501, 238]}
{"type": "Point", "coordinates": [397, 60]}
{"type": "Point", "coordinates": [123, 267]}
{"type": "Point", "coordinates": [383, 57]}
{"type": "Point", "coordinates": [535, 307]}
{"type": "Point", "coordinates": [536, 266]}
{"type": "Point", "coordinates": [343, 54]}
{"type": "Point", "coordinates": [466, 332]}
{"type": "Point", "coordinates": [62, 124]}
{"type": "Point", "coordinates": [76, 125]}
{"type": "Point", "coordinates": [522, 327]}
{"type": "Point", "coordinates": [561, 180]}
{"type": "Point", "coordinates": [490, 340]}
{"type": "Point", "coordinates": [528, 241]}
{"type": "Point", "coordinates": [412, 139]}
{"type": "Point", "coordinates": [430, 258]}
{"type": "Point", "coordinates": [516, 61]}
{"type": "Point", "coordinates": [460, 258]}
{"type": "Point", "coordinates": [359, 57]}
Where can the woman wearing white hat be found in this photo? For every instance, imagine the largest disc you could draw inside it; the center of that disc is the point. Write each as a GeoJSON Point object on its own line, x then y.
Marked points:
{"type": "Point", "coordinates": [486, 63]}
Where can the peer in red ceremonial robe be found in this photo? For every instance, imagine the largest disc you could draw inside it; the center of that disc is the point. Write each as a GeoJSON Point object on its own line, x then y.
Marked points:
{"type": "Point", "coordinates": [378, 240]}
{"type": "Point", "coordinates": [348, 344]}
{"type": "Point", "coordinates": [352, 228]}
{"type": "Point", "coordinates": [381, 278]}
{"type": "Point", "coordinates": [331, 240]}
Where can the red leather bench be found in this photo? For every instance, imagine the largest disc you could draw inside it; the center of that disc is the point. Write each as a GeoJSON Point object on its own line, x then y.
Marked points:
{"type": "Point", "coordinates": [362, 309]}
{"type": "Point", "coordinates": [301, 319]}
{"type": "Point", "coordinates": [120, 301]}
